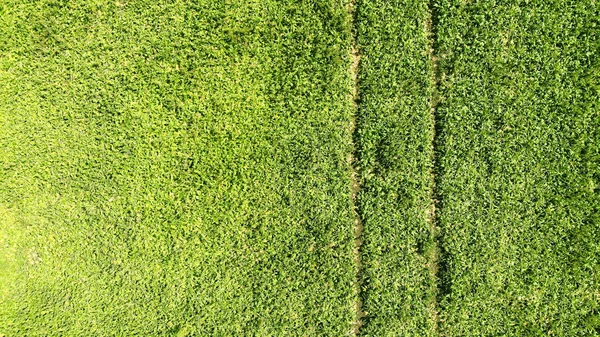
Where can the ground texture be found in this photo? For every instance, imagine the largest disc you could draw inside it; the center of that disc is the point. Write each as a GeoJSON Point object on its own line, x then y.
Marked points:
{"type": "Point", "coordinates": [395, 148]}
{"type": "Point", "coordinates": [175, 168]}
{"type": "Point", "coordinates": [519, 164]}
{"type": "Point", "coordinates": [215, 168]}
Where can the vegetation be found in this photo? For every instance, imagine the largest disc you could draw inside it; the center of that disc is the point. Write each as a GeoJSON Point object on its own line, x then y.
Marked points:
{"type": "Point", "coordinates": [519, 160]}
{"type": "Point", "coordinates": [175, 168]}
{"type": "Point", "coordinates": [395, 140]}
{"type": "Point", "coordinates": [201, 168]}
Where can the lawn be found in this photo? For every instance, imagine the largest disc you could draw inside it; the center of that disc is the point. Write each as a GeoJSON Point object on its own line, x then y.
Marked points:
{"type": "Point", "coordinates": [299, 168]}
{"type": "Point", "coordinates": [395, 148]}
{"type": "Point", "coordinates": [519, 168]}
{"type": "Point", "coordinates": [175, 168]}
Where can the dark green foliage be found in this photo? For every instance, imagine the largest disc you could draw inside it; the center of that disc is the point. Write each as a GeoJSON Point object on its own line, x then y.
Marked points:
{"type": "Point", "coordinates": [395, 134]}
{"type": "Point", "coordinates": [175, 168]}
{"type": "Point", "coordinates": [519, 167]}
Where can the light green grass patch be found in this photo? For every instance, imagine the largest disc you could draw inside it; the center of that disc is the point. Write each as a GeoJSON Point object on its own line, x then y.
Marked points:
{"type": "Point", "coordinates": [176, 168]}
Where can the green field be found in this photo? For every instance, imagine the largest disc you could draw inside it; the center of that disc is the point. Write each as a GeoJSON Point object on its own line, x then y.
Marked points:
{"type": "Point", "coordinates": [175, 168]}
{"type": "Point", "coordinates": [395, 142]}
{"type": "Point", "coordinates": [299, 168]}
{"type": "Point", "coordinates": [519, 168]}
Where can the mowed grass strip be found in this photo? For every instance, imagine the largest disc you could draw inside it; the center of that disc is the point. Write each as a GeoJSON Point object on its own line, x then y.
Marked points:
{"type": "Point", "coordinates": [175, 168]}
{"type": "Point", "coordinates": [395, 149]}
{"type": "Point", "coordinates": [520, 167]}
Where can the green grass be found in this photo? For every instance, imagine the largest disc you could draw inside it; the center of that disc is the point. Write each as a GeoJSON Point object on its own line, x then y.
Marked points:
{"type": "Point", "coordinates": [175, 168]}
{"type": "Point", "coordinates": [184, 168]}
{"type": "Point", "coordinates": [395, 135]}
{"type": "Point", "coordinates": [519, 160]}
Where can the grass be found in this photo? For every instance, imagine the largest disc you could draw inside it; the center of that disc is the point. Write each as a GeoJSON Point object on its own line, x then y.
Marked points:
{"type": "Point", "coordinates": [175, 168]}
{"type": "Point", "coordinates": [395, 139]}
{"type": "Point", "coordinates": [519, 162]}
{"type": "Point", "coordinates": [202, 168]}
